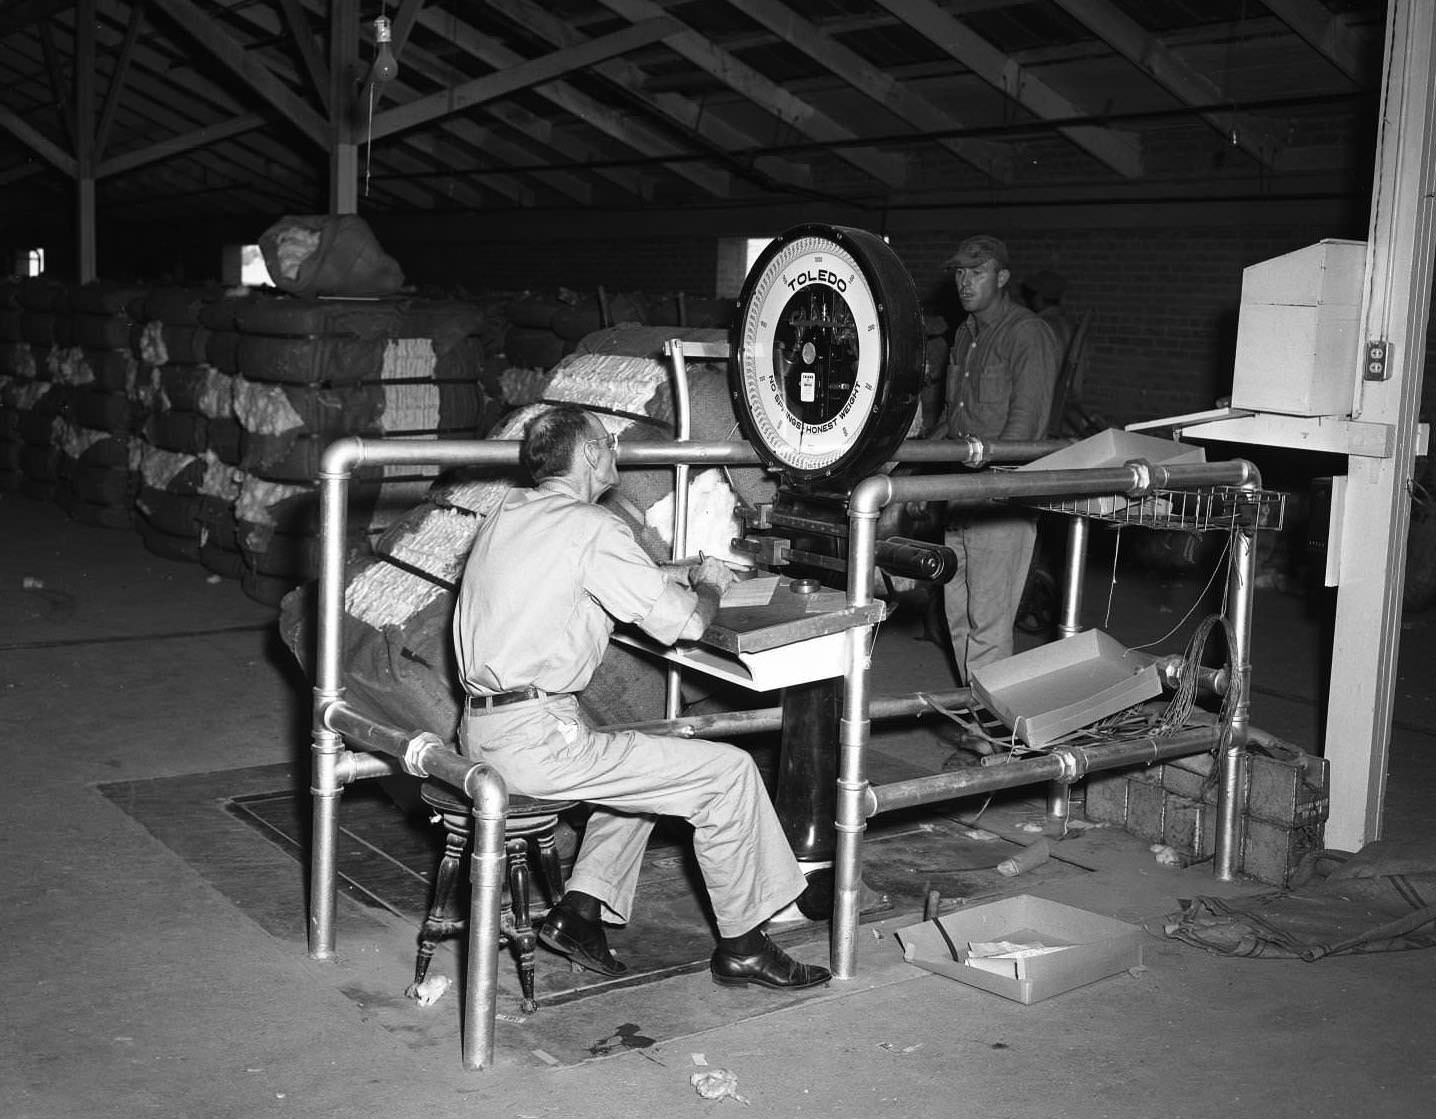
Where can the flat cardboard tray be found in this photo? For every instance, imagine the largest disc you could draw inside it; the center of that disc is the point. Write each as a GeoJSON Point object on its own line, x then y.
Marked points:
{"type": "Point", "coordinates": [1114, 448]}
{"type": "Point", "coordinates": [1093, 947]}
{"type": "Point", "coordinates": [1065, 685]}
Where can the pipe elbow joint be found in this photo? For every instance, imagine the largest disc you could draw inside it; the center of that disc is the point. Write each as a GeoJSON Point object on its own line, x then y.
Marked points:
{"type": "Point", "coordinates": [870, 496]}
{"type": "Point", "coordinates": [341, 457]}
{"type": "Point", "coordinates": [488, 792]}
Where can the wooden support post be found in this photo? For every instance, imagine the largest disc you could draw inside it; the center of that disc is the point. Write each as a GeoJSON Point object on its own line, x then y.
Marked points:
{"type": "Point", "coordinates": [343, 81]}
{"type": "Point", "coordinates": [1377, 509]}
{"type": "Point", "coordinates": [85, 264]}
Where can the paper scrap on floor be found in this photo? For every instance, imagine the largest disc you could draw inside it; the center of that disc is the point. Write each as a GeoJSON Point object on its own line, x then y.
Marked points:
{"type": "Point", "coordinates": [1002, 957]}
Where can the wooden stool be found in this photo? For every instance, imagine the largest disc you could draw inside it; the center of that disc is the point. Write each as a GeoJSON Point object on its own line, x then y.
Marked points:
{"type": "Point", "coordinates": [527, 820]}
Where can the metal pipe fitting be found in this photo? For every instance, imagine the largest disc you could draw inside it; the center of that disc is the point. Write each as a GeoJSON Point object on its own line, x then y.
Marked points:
{"type": "Point", "coordinates": [1073, 572]}
{"type": "Point", "coordinates": [1079, 760]}
{"type": "Point", "coordinates": [763, 720]}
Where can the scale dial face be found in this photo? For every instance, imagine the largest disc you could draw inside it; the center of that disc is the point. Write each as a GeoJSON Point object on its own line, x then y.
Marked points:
{"type": "Point", "coordinates": [812, 378]}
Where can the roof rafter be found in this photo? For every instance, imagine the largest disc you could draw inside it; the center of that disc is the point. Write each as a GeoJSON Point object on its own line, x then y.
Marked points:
{"type": "Point", "coordinates": [563, 95]}
{"type": "Point", "coordinates": [1119, 151]}
{"type": "Point", "coordinates": [904, 103]}
{"type": "Point", "coordinates": [52, 153]}
{"type": "Point", "coordinates": [890, 170]}
{"type": "Point", "coordinates": [682, 111]}
{"type": "Point", "coordinates": [1144, 50]}
{"type": "Point", "coordinates": [1329, 34]}
{"type": "Point", "coordinates": [535, 71]}
{"type": "Point", "coordinates": [234, 57]}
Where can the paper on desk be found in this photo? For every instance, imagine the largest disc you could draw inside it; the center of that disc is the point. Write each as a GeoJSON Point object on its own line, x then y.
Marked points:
{"type": "Point", "coordinates": [757, 591]}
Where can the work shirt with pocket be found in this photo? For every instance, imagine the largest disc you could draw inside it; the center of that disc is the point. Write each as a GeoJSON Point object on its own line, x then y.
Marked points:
{"type": "Point", "coordinates": [1000, 377]}
{"type": "Point", "coordinates": [548, 576]}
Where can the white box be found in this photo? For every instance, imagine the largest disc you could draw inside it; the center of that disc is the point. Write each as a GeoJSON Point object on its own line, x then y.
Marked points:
{"type": "Point", "coordinates": [1059, 687]}
{"type": "Point", "coordinates": [1096, 946]}
{"type": "Point", "coordinates": [1115, 447]}
{"type": "Point", "coordinates": [1298, 343]}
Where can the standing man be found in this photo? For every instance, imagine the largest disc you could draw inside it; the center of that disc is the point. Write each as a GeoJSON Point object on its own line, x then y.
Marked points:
{"type": "Point", "coordinates": [549, 574]}
{"type": "Point", "coordinates": [1000, 378]}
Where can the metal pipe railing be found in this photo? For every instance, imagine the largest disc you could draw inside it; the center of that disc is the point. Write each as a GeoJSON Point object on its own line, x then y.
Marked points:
{"type": "Point", "coordinates": [1065, 764]}
{"type": "Point", "coordinates": [424, 754]}
{"type": "Point", "coordinates": [762, 720]}
{"type": "Point", "coordinates": [421, 753]}
{"type": "Point", "coordinates": [865, 504]}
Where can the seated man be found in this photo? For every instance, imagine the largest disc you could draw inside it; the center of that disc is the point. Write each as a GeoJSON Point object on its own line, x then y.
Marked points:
{"type": "Point", "coordinates": [549, 573]}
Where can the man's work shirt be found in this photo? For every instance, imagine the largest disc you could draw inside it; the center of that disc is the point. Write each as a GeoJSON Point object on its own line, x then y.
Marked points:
{"type": "Point", "coordinates": [546, 578]}
{"type": "Point", "coordinates": [1000, 377]}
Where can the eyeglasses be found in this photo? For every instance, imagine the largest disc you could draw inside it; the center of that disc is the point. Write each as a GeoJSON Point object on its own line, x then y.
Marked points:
{"type": "Point", "coordinates": [610, 441]}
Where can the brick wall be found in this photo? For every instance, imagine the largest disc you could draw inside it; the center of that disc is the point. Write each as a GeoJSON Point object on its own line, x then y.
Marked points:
{"type": "Point", "coordinates": [1164, 301]}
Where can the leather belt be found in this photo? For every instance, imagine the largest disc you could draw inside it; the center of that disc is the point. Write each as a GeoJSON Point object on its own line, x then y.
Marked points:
{"type": "Point", "coordinates": [518, 695]}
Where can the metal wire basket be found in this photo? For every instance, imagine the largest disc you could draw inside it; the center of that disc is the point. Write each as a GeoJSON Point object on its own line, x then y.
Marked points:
{"type": "Point", "coordinates": [1211, 509]}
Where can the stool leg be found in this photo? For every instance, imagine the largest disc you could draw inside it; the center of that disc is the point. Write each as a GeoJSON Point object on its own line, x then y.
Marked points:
{"type": "Point", "coordinates": [443, 918]}
{"type": "Point", "coordinates": [524, 938]}
{"type": "Point", "coordinates": [550, 865]}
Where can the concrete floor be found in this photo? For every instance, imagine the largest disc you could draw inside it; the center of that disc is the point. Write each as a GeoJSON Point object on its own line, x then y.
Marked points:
{"type": "Point", "coordinates": [133, 986]}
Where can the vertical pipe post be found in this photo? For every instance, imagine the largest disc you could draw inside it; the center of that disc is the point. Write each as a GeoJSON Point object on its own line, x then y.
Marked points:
{"type": "Point", "coordinates": [487, 864]}
{"type": "Point", "coordinates": [1073, 571]}
{"type": "Point", "coordinates": [325, 787]}
{"type": "Point", "coordinates": [853, 729]}
{"type": "Point", "coordinates": [673, 696]}
{"type": "Point", "coordinates": [1069, 624]}
{"type": "Point", "coordinates": [1231, 755]}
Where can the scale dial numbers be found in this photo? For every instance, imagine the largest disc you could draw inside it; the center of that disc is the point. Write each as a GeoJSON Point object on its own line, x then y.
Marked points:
{"type": "Point", "coordinates": [812, 348]}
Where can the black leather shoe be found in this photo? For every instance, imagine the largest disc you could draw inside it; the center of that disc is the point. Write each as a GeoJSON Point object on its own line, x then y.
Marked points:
{"type": "Point", "coordinates": [581, 940]}
{"type": "Point", "coordinates": [770, 966]}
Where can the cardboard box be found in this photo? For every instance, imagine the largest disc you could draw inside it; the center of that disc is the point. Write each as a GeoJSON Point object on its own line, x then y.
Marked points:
{"type": "Point", "coordinates": [1094, 946]}
{"type": "Point", "coordinates": [1298, 332]}
{"type": "Point", "coordinates": [1060, 687]}
{"type": "Point", "coordinates": [1115, 448]}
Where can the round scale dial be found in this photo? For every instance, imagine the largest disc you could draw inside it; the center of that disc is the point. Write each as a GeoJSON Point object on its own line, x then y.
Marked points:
{"type": "Point", "coordinates": [827, 353]}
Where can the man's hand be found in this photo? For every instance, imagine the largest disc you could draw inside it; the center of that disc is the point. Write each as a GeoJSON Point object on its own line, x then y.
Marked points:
{"type": "Point", "coordinates": [711, 572]}
{"type": "Point", "coordinates": [709, 579]}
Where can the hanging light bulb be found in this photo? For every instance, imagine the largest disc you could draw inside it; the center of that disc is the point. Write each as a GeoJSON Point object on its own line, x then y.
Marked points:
{"type": "Point", "coordinates": [385, 68]}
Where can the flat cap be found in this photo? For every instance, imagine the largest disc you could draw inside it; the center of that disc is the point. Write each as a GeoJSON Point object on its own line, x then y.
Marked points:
{"type": "Point", "coordinates": [976, 251]}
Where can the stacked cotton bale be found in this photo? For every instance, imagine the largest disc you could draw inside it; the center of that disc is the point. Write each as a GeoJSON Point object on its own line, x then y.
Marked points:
{"type": "Point", "coordinates": [184, 484]}
{"type": "Point", "coordinates": [622, 374]}
{"type": "Point", "coordinates": [543, 327]}
{"type": "Point", "coordinates": [398, 659]}
{"type": "Point", "coordinates": [219, 547]}
{"type": "Point", "coordinates": [36, 403]}
{"type": "Point", "coordinates": [313, 371]}
{"type": "Point", "coordinates": [96, 434]}
{"type": "Point", "coordinates": [700, 312]}
{"type": "Point", "coordinates": [13, 352]}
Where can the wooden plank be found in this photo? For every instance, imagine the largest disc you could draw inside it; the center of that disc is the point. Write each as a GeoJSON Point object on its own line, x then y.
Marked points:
{"type": "Point", "coordinates": [1329, 34]}
{"type": "Point", "coordinates": [683, 111]}
{"type": "Point", "coordinates": [165, 149]}
{"type": "Point", "coordinates": [308, 45]}
{"type": "Point", "coordinates": [1377, 509]}
{"type": "Point", "coordinates": [1145, 51]}
{"type": "Point", "coordinates": [993, 160]}
{"type": "Point", "coordinates": [533, 72]}
{"type": "Point", "coordinates": [116, 89]}
{"type": "Point", "coordinates": [51, 153]}
{"type": "Point", "coordinates": [243, 64]}
{"type": "Point", "coordinates": [890, 170]}
{"type": "Point", "coordinates": [1119, 151]}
